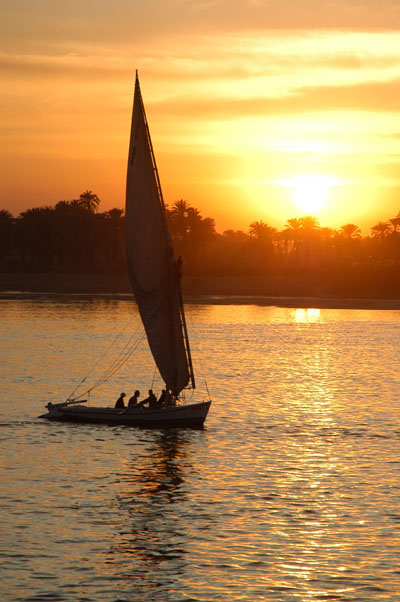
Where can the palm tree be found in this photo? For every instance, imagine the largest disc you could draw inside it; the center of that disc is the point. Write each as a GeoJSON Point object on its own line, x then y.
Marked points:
{"type": "Point", "coordinates": [309, 224]}
{"type": "Point", "coordinates": [382, 240]}
{"type": "Point", "coordinates": [263, 236]}
{"type": "Point", "coordinates": [350, 231]}
{"type": "Point", "coordinates": [395, 221]}
{"type": "Point", "coordinates": [293, 233]}
{"type": "Point", "coordinates": [394, 238]}
{"type": "Point", "coordinates": [114, 218]}
{"type": "Point", "coordinates": [349, 242]}
{"type": "Point", "coordinates": [235, 236]}
{"type": "Point", "coordinates": [380, 230]}
{"type": "Point", "coordinates": [310, 238]}
{"type": "Point", "coordinates": [115, 215]}
{"type": "Point", "coordinates": [89, 200]}
{"type": "Point", "coordinates": [189, 229]}
{"type": "Point", "coordinates": [327, 238]}
{"type": "Point", "coordinates": [327, 233]}
{"type": "Point", "coordinates": [294, 223]}
{"type": "Point", "coordinates": [261, 231]}
{"type": "Point", "coordinates": [63, 206]}
{"type": "Point", "coordinates": [178, 217]}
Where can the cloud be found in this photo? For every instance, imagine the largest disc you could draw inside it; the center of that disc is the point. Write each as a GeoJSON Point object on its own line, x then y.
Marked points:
{"type": "Point", "coordinates": [235, 67]}
{"type": "Point", "coordinates": [385, 97]}
{"type": "Point", "coordinates": [207, 78]}
{"type": "Point", "coordinates": [42, 24]}
{"type": "Point", "coordinates": [61, 65]}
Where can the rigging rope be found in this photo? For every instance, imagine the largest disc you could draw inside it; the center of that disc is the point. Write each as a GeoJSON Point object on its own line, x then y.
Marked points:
{"type": "Point", "coordinates": [154, 376]}
{"type": "Point", "coordinates": [117, 364]}
{"type": "Point", "coordinates": [199, 362]}
{"type": "Point", "coordinates": [111, 370]}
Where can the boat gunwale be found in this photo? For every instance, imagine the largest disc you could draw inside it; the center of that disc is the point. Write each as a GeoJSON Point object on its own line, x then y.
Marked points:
{"type": "Point", "coordinates": [133, 411]}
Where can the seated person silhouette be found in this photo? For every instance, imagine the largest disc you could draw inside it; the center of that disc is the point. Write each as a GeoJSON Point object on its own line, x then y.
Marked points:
{"type": "Point", "coordinates": [134, 399]}
{"type": "Point", "coordinates": [151, 399]}
{"type": "Point", "coordinates": [120, 401]}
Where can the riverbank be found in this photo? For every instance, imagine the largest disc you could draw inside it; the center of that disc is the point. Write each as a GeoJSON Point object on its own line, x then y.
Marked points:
{"type": "Point", "coordinates": [206, 290]}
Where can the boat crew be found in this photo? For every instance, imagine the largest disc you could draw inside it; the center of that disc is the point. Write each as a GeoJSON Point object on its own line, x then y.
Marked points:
{"type": "Point", "coordinates": [120, 401]}
{"type": "Point", "coordinates": [134, 399]}
{"type": "Point", "coordinates": [162, 398]}
{"type": "Point", "coordinates": [151, 399]}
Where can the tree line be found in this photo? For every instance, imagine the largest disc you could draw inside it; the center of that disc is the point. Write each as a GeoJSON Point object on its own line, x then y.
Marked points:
{"type": "Point", "coordinates": [75, 236]}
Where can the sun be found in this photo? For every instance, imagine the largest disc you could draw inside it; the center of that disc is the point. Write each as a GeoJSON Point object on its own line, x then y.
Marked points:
{"type": "Point", "coordinates": [310, 192]}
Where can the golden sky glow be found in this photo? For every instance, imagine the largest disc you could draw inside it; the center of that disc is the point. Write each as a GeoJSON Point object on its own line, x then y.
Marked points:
{"type": "Point", "coordinates": [241, 96]}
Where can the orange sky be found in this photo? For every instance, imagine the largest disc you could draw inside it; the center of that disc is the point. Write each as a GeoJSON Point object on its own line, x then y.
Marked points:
{"type": "Point", "coordinates": [242, 96]}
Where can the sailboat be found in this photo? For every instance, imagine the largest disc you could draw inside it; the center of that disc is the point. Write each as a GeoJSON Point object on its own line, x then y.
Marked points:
{"type": "Point", "coordinates": [155, 278]}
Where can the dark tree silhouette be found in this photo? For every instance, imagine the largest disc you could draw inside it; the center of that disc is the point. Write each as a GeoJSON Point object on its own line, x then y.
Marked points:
{"type": "Point", "coordinates": [6, 230]}
{"type": "Point", "coordinates": [114, 221]}
{"type": "Point", "coordinates": [35, 232]}
{"type": "Point", "coordinates": [293, 234]}
{"type": "Point", "coordinates": [262, 236]}
{"type": "Point", "coordinates": [189, 230]}
{"type": "Point", "coordinates": [89, 200]}
{"type": "Point", "coordinates": [380, 230]}
{"type": "Point", "coordinates": [395, 221]}
{"type": "Point", "coordinates": [350, 231]}
{"type": "Point", "coordinates": [74, 236]}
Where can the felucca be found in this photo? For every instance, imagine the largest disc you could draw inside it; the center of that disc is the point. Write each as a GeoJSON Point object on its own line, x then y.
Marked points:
{"type": "Point", "coordinates": [155, 278]}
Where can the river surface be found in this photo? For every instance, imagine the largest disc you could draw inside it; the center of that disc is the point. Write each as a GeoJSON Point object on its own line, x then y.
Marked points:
{"type": "Point", "coordinates": [290, 493]}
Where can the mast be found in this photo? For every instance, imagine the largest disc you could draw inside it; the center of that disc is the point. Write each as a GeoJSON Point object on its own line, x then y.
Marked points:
{"type": "Point", "coordinates": [183, 320]}
{"type": "Point", "coordinates": [174, 266]}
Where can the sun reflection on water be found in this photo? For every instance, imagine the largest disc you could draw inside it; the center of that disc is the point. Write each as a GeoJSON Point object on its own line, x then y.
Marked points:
{"type": "Point", "coordinates": [309, 314]}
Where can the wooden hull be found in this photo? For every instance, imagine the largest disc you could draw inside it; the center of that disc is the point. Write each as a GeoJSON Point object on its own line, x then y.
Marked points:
{"type": "Point", "coordinates": [190, 415]}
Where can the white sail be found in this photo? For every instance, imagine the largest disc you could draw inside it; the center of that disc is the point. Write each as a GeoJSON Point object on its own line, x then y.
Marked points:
{"type": "Point", "coordinates": [152, 268]}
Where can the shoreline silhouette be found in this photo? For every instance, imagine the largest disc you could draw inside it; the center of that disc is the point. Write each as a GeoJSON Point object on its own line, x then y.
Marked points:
{"type": "Point", "coordinates": [202, 290]}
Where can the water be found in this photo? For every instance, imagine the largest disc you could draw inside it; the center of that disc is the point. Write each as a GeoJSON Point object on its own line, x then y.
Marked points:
{"type": "Point", "coordinates": [290, 493]}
